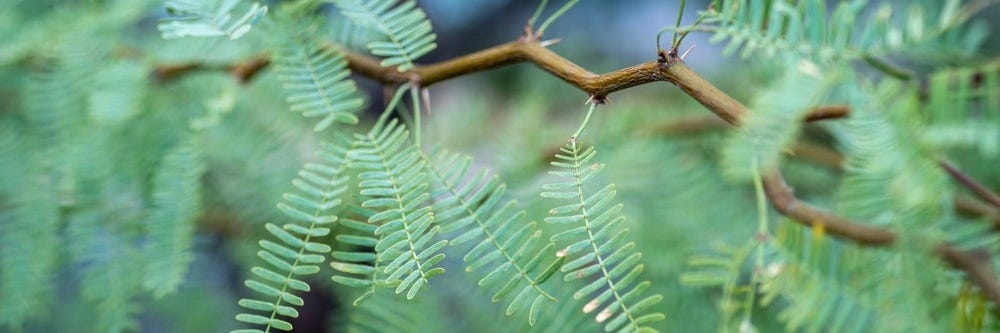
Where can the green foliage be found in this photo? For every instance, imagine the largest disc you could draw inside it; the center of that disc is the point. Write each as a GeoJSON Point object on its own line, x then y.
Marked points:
{"type": "Point", "coordinates": [766, 133]}
{"type": "Point", "coordinates": [472, 209]}
{"type": "Point", "coordinates": [963, 108]}
{"type": "Point", "coordinates": [31, 221]}
{"type": "Point", "coordinates": [171, 222]}
{"type": "Point", "coordinates": [883, 159]}
{"type": "Point", "coordinates": [804, 27]}
{"type": "Point", "coordinates": [828, 292]}
{"type": "Point", "coordinates": [597, 244]}
{"type": "Point", "coordinates": [405, 25]}
{"type": "Point", "coordinates": [297, 254]}
{"type": "Point", "coordinates": [316, 80]}
{"type": "Point", "coordinates": [208, 18]}
{"type": "Point", "coordinates": [138, 179]}
{"type": "Point", "coordinates": [394, 183]}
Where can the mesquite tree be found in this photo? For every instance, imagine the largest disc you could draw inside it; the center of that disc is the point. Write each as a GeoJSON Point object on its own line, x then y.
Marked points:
{"type": "Point", "coordinates": [137, 158]}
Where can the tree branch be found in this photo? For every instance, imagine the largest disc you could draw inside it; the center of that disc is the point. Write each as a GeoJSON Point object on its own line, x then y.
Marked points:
{"type": "Point", "coordinates": [979, 189]}
{"type": "Point", "coordinates": [670, 68]}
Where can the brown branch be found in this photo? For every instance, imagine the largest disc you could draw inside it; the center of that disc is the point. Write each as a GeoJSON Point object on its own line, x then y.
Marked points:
{"type": "Point", "coordinates": [784, 201]}
{"type": "Point", "coordinates": [979, 189]}
{"type": "Point", "coordinates": [245, 71]}
{"type": "Point", "coordinates": [973, 208]}
{"type": "Point", "coordinates": [828, 112]}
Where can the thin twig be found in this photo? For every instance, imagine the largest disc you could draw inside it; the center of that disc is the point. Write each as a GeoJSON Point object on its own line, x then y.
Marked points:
{"type": "Point", "coordinates": [967, 181]}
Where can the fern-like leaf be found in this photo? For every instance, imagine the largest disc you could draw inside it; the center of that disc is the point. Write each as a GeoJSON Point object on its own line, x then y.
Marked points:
{"type": "Point", "coordinates": [814, 275]}
{"type": "Point", "coordinates": [722, 268]}
{"type": "Point", "coordinates": [393, 180]}
{"type": "Point", "coordinates": [208, 18]}
{"type": "Point", "coordinates": [505, 245]}
{"type": "Point", "coordinates": [297, 253]}
{"type": "Point", "coordinates": [598, 252]}
{"type": "Point", "coordinates": [405, 25]}
{"type": "Point", "coordinates": [171, 223]}
{"type": "Point", "coordinates": [316, 80]}
{"type": "Point", "coordinates": [963, 108]}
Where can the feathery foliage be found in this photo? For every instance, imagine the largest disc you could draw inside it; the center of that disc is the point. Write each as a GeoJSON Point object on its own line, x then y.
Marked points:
{"type": "Point", "coordinates": [30, 222]}
{"type": "Point", "coordinates": [208, 18]}
{"type": "Point", "coordinates": [597, 249]}
{"type": "Point", "coordinates": [723, 268]}
{"type": "Point", "coordinates": [388, 312]}
{"type": "Point", "coordinates": [171, 224]}
{"type": "Point", "coordinates": [805, 27]}
{"type": "Point", "coordinates": [316, 79]}
{"type": "Point", "coordinates": [297, 255]}
{"type": "Point", "coordinates": [405, 25]}
{"type": "Point", "coordinates": [471, 208]}
{"type": "Point", "coordinates": [963, 108]}
{"type": "Point", "coordinates": [890, 180]}
{"type": "Point", "coordinates": [109, 283]}
{"type": "Point", "coordinates": [775, 121]}
{"type": "Point", "coordinates": [394, 183]}
{"type": "Point", "coordinates": [824, 285]}
{"type": "Point", "coordinates": [359, 268]}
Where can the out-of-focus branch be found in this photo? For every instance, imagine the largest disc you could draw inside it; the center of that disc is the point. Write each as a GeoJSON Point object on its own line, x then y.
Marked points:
{"type": "Point", "coordinates": [979, 189]}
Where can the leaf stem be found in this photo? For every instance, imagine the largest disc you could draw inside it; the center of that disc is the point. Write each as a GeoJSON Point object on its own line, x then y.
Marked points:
{"type": "Point", "coordinates": [538, 12]}
{"type": "Point", "coordinates": [586, 120]}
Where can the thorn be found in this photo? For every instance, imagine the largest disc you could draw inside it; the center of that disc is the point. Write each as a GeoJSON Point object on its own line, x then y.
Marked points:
{"type": "Point", "coordinates": [426, 94]}
{"type": "Point", "coordinates": [597, 100]}
{"type": "Point", "coordinates": [688, 51]}
{"type": "Point", "coordinates": [546, 43]}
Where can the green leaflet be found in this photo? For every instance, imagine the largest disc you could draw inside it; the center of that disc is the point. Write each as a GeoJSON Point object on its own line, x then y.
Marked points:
{"type": "Point", "coordinates": [171, 222]}
{"type": "Point", "coordinates": [295, 252]}
{"type": "Point", "coordinates": [475, 211]}
{"type": "Point", "coordinates": [609, 266]}
{"type": "Point", "coordinates": [391, 168]}
{"type": "Point", "coordinates": [208, 18]}
{"type": "Point", "coordinates": [315, 78]}
{"type": "Point", "coordinates": [963, 109]}
{"type": "Point", "coordinates": [405, 25]}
